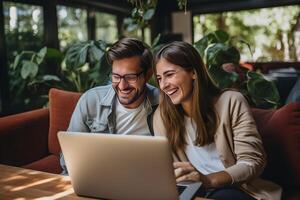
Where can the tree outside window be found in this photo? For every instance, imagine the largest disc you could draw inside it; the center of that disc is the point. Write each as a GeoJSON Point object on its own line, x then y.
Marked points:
{"type": "Point", "coordinates": [272, 33]}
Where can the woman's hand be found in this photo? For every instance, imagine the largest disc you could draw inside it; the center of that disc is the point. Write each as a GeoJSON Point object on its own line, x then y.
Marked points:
{"type": "Point", "coordinates": [185, 171]}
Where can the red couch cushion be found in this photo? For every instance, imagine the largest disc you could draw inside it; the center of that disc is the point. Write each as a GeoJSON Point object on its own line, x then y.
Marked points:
{"type": "Point", "coordinates": [280, 131]}
{"type": "Point", "coordinates": [61, 106]}
{"type": "Point", "coordinates": [47, 164]}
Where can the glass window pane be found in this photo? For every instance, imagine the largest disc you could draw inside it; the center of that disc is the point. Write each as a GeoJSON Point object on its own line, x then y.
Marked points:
{"type": "Point", "coordinates": [106, 27]}
{"type": "Point", "coordinates": [23, 27]}
{"type": "Point", "coordinates": [272, 33]}
{"type": "Point", "coordinates": [72, 25]}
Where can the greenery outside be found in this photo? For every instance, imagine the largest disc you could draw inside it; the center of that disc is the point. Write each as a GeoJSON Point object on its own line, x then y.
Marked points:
{"type": "Point", "coordinates": [80, 64]}
{"type": "Point", "coordinates": [272, 32]}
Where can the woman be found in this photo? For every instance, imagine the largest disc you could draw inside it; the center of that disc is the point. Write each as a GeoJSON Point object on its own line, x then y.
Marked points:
{"type": "Point", "coordinates": [211, 132]}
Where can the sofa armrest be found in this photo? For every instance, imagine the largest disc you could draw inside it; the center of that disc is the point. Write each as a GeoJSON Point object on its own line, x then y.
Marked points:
{"type": "Point", "coordinates": [24, 137]}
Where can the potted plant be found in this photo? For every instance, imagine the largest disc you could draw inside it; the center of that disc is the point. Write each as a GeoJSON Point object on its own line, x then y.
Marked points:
{"type": "Point", "coordinates": [222, 59]}
{"type": "Point", "coordinates": [84, 66]}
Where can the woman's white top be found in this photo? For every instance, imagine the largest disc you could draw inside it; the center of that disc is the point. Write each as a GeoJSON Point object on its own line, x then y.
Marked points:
{"type": "Point", "coordinates": [205, 158]}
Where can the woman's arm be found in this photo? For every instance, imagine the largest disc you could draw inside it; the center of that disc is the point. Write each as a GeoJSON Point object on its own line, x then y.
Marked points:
{"type": "Point", "coordinates": [242, 138]}
{"type": "Point", "coordinates": [185, 171]}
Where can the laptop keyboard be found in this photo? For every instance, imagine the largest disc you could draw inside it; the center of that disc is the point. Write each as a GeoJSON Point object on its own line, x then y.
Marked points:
{"type": "Point", "coordinates": [180, 188]}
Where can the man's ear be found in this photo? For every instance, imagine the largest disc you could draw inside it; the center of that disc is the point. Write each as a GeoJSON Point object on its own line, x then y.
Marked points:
{"type": "Point", "coordinates": [149, 73]}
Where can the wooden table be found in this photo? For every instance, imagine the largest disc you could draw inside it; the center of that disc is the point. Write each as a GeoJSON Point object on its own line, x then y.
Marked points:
{"type": "Point", "coordinates": [19, 183]}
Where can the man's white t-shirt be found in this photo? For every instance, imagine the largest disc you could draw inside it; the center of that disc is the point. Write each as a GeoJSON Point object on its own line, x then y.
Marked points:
{"type": "Point", "coordinates": [131, 121]}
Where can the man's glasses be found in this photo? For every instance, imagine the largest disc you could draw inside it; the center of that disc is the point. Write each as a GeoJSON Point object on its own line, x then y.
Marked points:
{"type": "Point", "coordinates": [129, 78]}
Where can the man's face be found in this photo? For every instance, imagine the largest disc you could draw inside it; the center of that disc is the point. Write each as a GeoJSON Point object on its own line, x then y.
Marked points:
{"type": "Point", "coordinates": [130, 89]}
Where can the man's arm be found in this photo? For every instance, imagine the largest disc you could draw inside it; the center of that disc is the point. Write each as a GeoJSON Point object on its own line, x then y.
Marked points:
{"type": "Point", "coordinates": [77, 124]}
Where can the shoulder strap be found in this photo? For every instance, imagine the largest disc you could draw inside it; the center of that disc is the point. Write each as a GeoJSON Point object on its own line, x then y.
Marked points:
{"type": "Point", "coordinates": [150, 119]}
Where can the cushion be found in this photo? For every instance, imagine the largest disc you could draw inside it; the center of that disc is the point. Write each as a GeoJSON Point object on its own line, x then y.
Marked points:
{"type": "Point", "coordinates": [47, 164]}
{"type": "Point", "coordinates": [280, 131]}
{"type": "Point", "coordinates": [61, 106]}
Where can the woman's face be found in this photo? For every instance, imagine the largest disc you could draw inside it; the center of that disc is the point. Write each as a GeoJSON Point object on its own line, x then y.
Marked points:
{"type": "Point", "coordinates": [175, 82]}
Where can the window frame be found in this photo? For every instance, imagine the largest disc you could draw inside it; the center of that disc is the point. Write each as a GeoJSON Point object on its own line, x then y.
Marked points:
{"type": "Point", "coordinates": [50, 35]}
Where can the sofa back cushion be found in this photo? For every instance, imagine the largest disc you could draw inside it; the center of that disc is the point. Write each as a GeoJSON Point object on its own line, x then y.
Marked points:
{"type": "Point", "coordinates": [61, 106]}
{"type": "Point", "coordinates": [280, 131]}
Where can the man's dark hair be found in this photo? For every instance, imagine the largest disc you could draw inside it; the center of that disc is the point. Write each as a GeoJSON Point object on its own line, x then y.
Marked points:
{"type": "Point", "coordinates": [129, 47]}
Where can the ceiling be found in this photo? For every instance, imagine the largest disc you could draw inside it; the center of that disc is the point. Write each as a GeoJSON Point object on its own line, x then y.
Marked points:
{"type": "Point", "coordinates": [206, 6]}
{"type": "Point", "coordinates": [197, 6]}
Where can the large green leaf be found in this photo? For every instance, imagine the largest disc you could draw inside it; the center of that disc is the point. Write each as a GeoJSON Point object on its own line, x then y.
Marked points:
{"type": "Point", "coordinates": [100, 44]}
{"type": "Point", "coordinates": [95, 54]}
{"type": "Point", "coordinates": [222, 78]}
{"type": "Point", "coordinates": [24, 55]}
{"type": "Point", "coordinates": [201, 46]}
{"type": "Point", "coordinates": [127, 21]}
{"type": "Point", "coordinates": [134, 12]}
{"type": "Point", "coordinates": [16, 61]}
{"type": "Point", "coordinates": [29, 69]}
{"type": "Point", "coordinates": [218, 36]}
{"type": "Point", "coordinates": [156, 40]}
{"type": "Point", "coordinates": [51, 78]}
{"type": "Point", "coordinates": [262, 91]}
{"type": "Point", "coordinates": [44, 79]}
{"type": "Point", "coordinates": [99, 74]}
{"type": "Point", "coordinates": [132, 27]}
{"type": "Point", "coordinates": [149, 14]}
{"type": "Point", "coordinates": [220, 53]}
{"type": "Point", "coordinates": [39, 57]}
{"type": "Point", "coordinates": [77, 54]}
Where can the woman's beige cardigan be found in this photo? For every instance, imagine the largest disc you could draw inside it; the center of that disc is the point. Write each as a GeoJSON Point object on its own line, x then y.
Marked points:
{"type": "Point", "coordinates": [237, 141]}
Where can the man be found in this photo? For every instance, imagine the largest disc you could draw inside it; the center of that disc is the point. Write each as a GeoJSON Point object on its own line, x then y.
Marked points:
{"type": "Point", "coordinates": [124, 107]}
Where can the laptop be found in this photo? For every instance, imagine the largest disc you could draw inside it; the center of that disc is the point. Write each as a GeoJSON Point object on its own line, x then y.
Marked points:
{"type": "Point", "coordinates": [109, 166]}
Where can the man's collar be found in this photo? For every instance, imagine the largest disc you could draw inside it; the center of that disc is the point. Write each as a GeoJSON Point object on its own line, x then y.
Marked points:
{"type": "Point", "coordinates": [109, 97]}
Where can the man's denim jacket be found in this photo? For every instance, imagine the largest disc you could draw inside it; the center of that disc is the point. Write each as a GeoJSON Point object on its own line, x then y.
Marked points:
{"type": "Point", "coordinates": [94, 112]}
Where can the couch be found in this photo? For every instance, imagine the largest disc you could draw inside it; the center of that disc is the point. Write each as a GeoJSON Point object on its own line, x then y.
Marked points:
{"type": "Point", "coordinates": [30, 140]}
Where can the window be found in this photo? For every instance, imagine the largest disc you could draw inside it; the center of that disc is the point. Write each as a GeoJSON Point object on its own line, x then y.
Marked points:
{"type": "Point", "coordinates": [23, 28]}
{"type": "Point", "coordinates": [72, 25]}
{"type": "Point", "coordinates": [272, 33]}
{"type": "Point", "coordinates": [106, 27]}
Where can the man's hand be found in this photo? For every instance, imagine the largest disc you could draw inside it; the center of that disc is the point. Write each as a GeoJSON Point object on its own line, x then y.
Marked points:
{"type": "Point", "coordinates": [185, 171]}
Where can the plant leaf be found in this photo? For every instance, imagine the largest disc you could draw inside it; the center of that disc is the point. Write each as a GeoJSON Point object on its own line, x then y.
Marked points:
{"type": "Point", "coordinates": [262, 91]}
{"type": "Point", "coordinates": [221, 53]}
{"type": "Point", "coordinates": [77, 54]}
{"type": "Point", "coordinates": [201, 46]}
{"type": "Point", "coordinates": [149, 14]}
{"type": "Point", "coordinates": [222, 78]}
{"type": "Point", "coordinates": [132, 27]}
{"type": "Point", "coordinates": [156, 40]}
{"type": "Point", "coordinates": [41, 55]}
{"type": "Point", "coordinates": [50, 78]}
{"type": "Point", "coordinates": [29, 69]}
{"type": "Point", "coordinates": [16, 61]}
{"type": "Point", "coordinates": [95, 54]}
{"type": "Point", "coordinates": [220, 36]}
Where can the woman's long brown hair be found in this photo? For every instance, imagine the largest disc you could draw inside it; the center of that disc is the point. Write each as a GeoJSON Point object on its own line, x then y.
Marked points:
{"type": "Point", "coordinates": [204, 95]}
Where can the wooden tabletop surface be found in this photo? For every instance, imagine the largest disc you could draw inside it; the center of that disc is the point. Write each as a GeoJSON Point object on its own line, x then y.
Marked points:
{"type": "Point", "coordinates": [19, 183]}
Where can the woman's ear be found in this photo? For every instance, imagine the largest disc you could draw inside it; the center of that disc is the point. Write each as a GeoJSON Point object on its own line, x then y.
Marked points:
{"type": "Point", "coordinates": [194, 76]}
